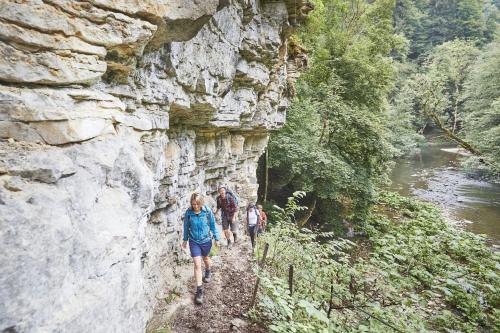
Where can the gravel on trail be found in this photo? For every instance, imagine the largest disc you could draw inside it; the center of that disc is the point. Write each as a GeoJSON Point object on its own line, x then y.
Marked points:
{"type": "Point", "coordinates": [227, 296]}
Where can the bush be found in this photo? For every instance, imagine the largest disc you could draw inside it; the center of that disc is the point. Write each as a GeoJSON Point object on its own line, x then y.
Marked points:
{"type": "Point", "coordinates": [418, 274]}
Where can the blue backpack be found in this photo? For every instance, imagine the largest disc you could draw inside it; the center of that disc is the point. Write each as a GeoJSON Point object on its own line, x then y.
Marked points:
{"type": "Point", "coordinates": [231, 194]}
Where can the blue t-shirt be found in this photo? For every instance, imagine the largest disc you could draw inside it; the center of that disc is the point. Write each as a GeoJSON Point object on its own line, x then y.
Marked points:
{"type": "Point", "coordinates": [197, 227]}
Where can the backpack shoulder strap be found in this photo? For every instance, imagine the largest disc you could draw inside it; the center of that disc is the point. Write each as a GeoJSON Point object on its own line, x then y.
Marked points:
{"type": "Point", "coordinates": [208, 211]}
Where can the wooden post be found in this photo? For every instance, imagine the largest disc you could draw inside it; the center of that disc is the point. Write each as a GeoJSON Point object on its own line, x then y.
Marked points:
{"type": "Point", "coordinates": [261, 265]}
{"type": "Point", "coordinates": [330, 305]}
{"type": "Point", "coordinates": [264, 255]}
{"type": "Point", "coordinates": [290, 279]}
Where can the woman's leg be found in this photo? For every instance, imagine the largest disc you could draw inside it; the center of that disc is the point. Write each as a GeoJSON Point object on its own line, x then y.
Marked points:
{"type": "Point", "coordinates": [208, 274]}
{"type": "Point", "coordinates": [207, 262]}
{"type": "Point", "coordinates": [196, 254]}
{"type": "Point", "coordinates": [251, 231]}
{"type": "Point", "coordinates": [197, 271]}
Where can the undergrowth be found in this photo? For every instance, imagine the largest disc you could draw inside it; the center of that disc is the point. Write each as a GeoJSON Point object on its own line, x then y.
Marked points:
{"type": "Point", "coordinates": [420, 275]}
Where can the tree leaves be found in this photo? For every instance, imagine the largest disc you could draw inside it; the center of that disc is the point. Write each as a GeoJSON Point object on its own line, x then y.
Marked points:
{"type": "Point", "coordinates": [334, 144]}
{"type": "Point", "coordinates": [420, 274]}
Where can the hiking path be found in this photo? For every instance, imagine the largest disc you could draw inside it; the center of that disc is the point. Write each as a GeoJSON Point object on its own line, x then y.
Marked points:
{"type": "Point", "coordinates": [227, 297]}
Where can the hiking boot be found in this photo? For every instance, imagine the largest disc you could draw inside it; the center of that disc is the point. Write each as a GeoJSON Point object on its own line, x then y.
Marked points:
{"type": "Point", "coordinates": [207, 277]}
{"type": "Point", "coordinates": [228, 243]}
{"type": "Point", "coordinates": [234, 236]}
{"type": "Point", "coordinates": [198, 298]}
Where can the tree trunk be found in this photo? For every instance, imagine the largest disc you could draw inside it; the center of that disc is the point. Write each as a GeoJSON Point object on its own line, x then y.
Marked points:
{"type": "Point", "coordinates": [455, 110]}
{"type": "Point", "coordinates": [266, 175]}
{"type": "Point", "coordinates": [454, 137]}
{"type": "Point", "coordinates": [303, 221]}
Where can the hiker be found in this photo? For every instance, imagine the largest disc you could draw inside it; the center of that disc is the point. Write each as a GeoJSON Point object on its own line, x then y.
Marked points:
{"type": "Point", "coordinates": [263, 219]}
{"type": "Point", "coordinates": [198, 222]}
{"type": "Point", "coordinates": [228, 204]}
{"type": "Point", "coordinates": [252, 222]}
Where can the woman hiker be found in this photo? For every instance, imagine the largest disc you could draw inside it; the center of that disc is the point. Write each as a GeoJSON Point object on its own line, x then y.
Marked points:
{"type": "Point", "coordinates": [253, 222]}
{"type": "Point", "coordinates": [198, 222]}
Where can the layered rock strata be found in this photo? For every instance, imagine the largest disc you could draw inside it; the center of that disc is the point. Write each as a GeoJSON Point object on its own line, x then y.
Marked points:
{"type": "Point", "coordinates": [111, 114]}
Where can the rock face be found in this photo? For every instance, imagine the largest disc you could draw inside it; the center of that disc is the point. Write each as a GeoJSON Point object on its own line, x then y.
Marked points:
{"type": "Point", "coordinates": [112, 112]}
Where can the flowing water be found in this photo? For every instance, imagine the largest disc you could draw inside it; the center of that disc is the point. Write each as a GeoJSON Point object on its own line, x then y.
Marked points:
{"type": "Point", "coordinates": [434, 175]}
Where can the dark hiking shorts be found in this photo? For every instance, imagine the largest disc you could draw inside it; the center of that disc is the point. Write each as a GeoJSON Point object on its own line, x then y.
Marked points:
{"type": "Point", "coordinates": [227, 222]}
{"type": "Point", "coordinates": [198, 250]}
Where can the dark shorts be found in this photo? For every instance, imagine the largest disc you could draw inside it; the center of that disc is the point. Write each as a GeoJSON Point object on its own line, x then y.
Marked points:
{"type": "Point", "coordinates": [227, 222]}
{"type": "Point", "coordinates": [198, 250]}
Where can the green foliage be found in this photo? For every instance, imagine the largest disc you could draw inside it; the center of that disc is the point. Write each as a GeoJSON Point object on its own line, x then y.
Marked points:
{"type": "Point", "coordinates": [166, 329]}
{"type": "Point", "coordinates": [414, 273]}
{"type": "Point", "coordinates": [335, 142]}
{"type": "Point", "coordinates": [482, 104]}
{"type": "Point", "coordinates": [442, 38]}
{"type": "Point", "coordinates": [428, 23]}
{"type": "Point", "coordinates": [434, 94]}
{"type": "Point", "coordinates": [457, 90]}
{"type": "Point", "coordinates": [172, 295]}
{"type": "Point", "coordinates": [438, 88]}
{"type": "Point", "coordinates": [405, 123]}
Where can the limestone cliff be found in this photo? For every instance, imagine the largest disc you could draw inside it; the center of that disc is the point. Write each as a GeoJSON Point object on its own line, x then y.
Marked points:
{"type": "Point", "coordinates": [112, 112]}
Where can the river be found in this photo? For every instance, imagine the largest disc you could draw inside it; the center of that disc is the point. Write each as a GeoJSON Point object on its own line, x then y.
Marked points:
{"type": "Point", "coordinates": [434, 175]}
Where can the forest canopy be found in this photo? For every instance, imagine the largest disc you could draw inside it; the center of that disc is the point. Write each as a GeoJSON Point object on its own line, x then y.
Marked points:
{"type": "Point", "coordinates": [382, 73]}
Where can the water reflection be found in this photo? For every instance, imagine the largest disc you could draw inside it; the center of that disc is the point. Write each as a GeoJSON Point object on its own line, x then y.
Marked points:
{"type": "Point", "coordinates": [433, 175]}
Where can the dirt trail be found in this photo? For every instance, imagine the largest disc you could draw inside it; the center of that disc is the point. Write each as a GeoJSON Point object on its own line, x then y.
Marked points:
{"type": "Point", "coordinates": [227, 297]}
